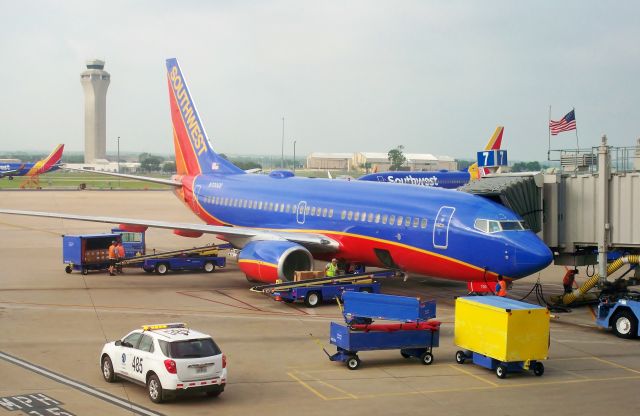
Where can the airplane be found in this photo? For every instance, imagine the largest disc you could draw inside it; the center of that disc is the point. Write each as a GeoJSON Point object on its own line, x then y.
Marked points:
{"type": "Point", "coordinates": [48, 164]}
{"type": "Point", "coordinates": [281, 223]}
{"type": "Point", "coordinates": [441, 178]}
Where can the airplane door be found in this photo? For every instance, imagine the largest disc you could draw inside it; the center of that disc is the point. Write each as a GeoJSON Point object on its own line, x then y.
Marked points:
{"type": "Point", "coordinates": [300, 216]}
{"type": "Point", "coordinates": [441, 227]}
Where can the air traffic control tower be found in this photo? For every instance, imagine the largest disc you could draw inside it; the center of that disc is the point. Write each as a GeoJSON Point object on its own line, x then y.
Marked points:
{"type": "Point", "coordinates": [95, 81]}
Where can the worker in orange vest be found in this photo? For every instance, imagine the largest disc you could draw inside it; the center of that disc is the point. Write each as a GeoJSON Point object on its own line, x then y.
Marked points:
{"type": "Point", "coordinates": [112, 258]}
{"type": "Point", "coordinates": [501, 287]}
{"type": "Point", "coordinates": [119, 254]}
{"type": "Point", "coordinates": [568, 279]}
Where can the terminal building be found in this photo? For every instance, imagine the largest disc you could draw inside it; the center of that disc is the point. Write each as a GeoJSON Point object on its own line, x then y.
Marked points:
{"type": "Point", "coordinates": [378, 161]}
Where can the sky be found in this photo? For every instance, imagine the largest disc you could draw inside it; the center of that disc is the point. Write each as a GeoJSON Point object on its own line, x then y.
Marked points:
{"type": "Point", "coordinates": [347, 76]}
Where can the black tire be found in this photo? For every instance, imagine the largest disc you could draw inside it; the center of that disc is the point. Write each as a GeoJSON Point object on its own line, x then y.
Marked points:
{"type": "Point", "coordinates": [426, 358]}
{"type": "Point", "coordinates": [107, 370]}
{"type": "Point", "coordinates": [460, 357]}
{"type": "Point", "coordinates": [162, 268]}
{"type": "Point", "coordinates": [68, 269]}
{"type": "Point", "coordinates": [154, 389]}
{"type": "Point", "coordinates": [353, 362]}
{"type": "Point", "coordinates": [625, 324]}
{"type": "Point", "coordinates": [208, 267]}
{"type": "Point", "coordinates": [538, 369]}
{"type": "Point", "coordinates": [85, 271]}
{"type": "Point", "coordinates": [501, 371]}
{"type": "Point", "coordinates": [404, 354]}
{"type": "Point", "coordinates": [147, 269]}
{"type": "Point", "coordinates": [313, 299]}
{"type": "Point", "coordinates": [214, 393]}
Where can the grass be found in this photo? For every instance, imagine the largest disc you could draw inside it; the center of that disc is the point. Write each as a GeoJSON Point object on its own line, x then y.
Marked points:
{"type": "Point", "coordinates": [72, 180]}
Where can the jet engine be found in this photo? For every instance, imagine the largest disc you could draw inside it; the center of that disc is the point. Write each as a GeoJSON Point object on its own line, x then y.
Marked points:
{"type": "Point", "coordinates": [266, 261]}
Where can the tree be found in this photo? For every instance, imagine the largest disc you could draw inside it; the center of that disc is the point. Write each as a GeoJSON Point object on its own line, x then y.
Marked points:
{"type": "Point", "coordinates": [396, 157]}
{"type": "Point", "coordinates": [463, 164]}
{"type": "Point", "coordinates": [150, 164]}
{"type": "Point", "coordinates": [366, 166]}
{"type": "Point", "coordinates": [169, 167]}
{"type": "Point", "coordinates": [526, 167]}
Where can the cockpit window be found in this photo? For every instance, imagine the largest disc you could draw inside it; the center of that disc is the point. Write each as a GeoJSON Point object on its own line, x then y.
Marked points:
{"type": "Point", "coordinates": [492, 226]}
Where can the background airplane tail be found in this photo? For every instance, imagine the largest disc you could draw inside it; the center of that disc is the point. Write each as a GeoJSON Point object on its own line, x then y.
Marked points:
{"type": "Point", "coordinates": [194, 154]}
{"type": "Point", "coordinates": [494, 143]}
{"type": "Point", "coordinates": [48, 162]}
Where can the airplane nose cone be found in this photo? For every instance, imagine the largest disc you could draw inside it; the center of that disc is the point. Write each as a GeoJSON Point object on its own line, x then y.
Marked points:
{"type": "Point", "coordinates": [531, 255]}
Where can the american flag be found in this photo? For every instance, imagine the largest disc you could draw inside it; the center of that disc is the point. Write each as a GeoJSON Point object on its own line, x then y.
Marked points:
{"type": "Point", "coordinates": [567, 123]}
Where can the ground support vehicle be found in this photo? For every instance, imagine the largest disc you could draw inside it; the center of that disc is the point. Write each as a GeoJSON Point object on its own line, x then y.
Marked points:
{"type": "Point", "coordinates": [88, 252]}
{"type": "Point", "coordinates": [169, 359]}
{"type": "Point", "coordinates": [164, 264]}
{"type": "Point", "coordinates": [415, 336]}
{"type": "Point", "coordinates": [315, 291]}
{"type": "Point", "coordinates": [501, 334]}
{"type": "Point", "coordinates": [622, 315]}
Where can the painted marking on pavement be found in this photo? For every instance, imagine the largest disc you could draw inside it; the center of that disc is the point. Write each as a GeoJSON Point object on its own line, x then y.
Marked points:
{"type": "Point", "coordinates": [109, 398]}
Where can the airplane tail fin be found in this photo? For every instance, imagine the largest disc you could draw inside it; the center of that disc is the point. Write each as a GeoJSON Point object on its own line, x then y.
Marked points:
{"type": "Point", "coordinates": [45, 164]}
{"type": "Point", "coordinates": [494, 143]}
{"type": "Point", "coordinates": [194, 154]}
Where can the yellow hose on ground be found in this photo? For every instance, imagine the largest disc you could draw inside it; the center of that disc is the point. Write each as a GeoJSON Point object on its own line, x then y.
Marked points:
{"type": "Point", "coordinates": [589, 284]}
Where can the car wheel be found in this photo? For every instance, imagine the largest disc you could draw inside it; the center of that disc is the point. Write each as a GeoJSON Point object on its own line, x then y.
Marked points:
{"type": "Point", "coordinates": [162, 268]}
{"type": "Point", "coordinates": [107, 370]}
{"type": "Point", "coordinates": [625, 325]}
{"type": "Point", "coordinates": [209, 267]}
{"type": "Point", "coordinates": [313, 299]}
{"type": "Point", "coordinates": [426, 358]}
{"type": "Point", "coordinates": [460, 357]}
{"type": "Point", "coordinates": [353, 362]}
{"type": "Point", "coordinates": [68, 269]}
{"type": "Point", "coordinates": [501, 371]}
{"type": "Point", "coordinates": [154, 388]}
{"type": "Point", "coordinates": [538, 369]}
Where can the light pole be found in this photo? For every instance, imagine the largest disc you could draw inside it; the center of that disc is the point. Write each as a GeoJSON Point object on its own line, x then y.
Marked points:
{"type": "Point", "coordinates": [294, 156]}
{"type": "Point", "coordinates": [118, 141]}
{"type": "Point", "coordinates": [282, 156]}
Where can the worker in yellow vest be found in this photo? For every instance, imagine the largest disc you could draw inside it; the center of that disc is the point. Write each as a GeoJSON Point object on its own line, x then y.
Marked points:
{"type": "Point", "coordinates": [501, 287]}
{"type": "Point", "coordinates": [331, 269]}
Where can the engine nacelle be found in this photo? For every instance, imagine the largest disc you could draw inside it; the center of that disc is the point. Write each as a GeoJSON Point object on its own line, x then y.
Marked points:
{"type": "Point", "coordinates": [187, 233]}
{"type": "Point", "coordinates": [267, 261]}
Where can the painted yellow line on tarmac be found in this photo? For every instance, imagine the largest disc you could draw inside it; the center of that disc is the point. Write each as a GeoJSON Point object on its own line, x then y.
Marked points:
{"type": "Point", "coordinates": [307, 386]}
{"type": "Point", "coordinates": [616, 365]}
{"type": "Point", "coordinates": [331, 386]}
{"type": "Point", "coordinates": [462, 370]}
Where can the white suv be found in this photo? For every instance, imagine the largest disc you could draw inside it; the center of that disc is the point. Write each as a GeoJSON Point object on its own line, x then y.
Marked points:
{"type": "Point", "coordinates": [168, 359]}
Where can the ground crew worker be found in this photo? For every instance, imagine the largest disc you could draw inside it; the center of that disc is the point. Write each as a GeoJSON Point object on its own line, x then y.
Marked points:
{"type": "Point", "coordinates": [568, 279]}
{"type": "Point", "coordinates": [112, 258]}
{"type": "Point", "coordinates": [119, 254]}
{"type": "Point", "coordinates": [331, 269]}
{"type": "Point", "coordinates": [501, 287]}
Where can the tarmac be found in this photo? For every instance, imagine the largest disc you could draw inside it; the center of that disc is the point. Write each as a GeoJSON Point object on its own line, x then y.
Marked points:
{"type": "Point", "coordinates": [54, 325]}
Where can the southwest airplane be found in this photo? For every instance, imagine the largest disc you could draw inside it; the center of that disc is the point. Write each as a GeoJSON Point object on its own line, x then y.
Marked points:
{"type": "Point", "coordinates": [439, 179]}
{"type": "Point", "coordinates": [49, 163]}
{"type": "Point", "coordinates": [281, 222]}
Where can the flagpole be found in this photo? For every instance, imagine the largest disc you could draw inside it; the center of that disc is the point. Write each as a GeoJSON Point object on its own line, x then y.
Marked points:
{"type": "Point", "coordinates": [549, 131]}
{"type": "Point", "coordinates": [577, 141]}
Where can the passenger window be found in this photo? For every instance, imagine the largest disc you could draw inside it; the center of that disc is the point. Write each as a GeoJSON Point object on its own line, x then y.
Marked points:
{"type": "Point", "coordinates": [423, 223]}
{"type": "Point", "coordinates": [363, 216]}
{"type": "Point", "coordinates": [226, 202]}
{"type": "Point", "coordinates": [415, 222]}
{"type": "Point", "coordinates": [356, 216]}
{"type": "Point", "coordinates": [270, 206]}
{"type": "Point", "coordinates": [407, 221]}
{"type": "Point", "coordinates": [330, 212]}
{"type": "Point", "coordinates": [146, 343]}
{"type": "Point", "coordinates": [392, 219]}
{"type": "Point", "coordinates": [260, 205]}
{"type": "Point", "coordinates": [306, 210]}
{"type": "Point", "coordinates": [245, 203]}
{"type": "Point", "coordinates": [377, 218]}
{"type": "Point", "coordinates": [132, 339]}
{"type": "Point", "coordinates": [370, 217]}
{"type": "Point", "coordinates": [324, 212]}
{"type": "Point", "coordinates": [288, 210]}
{"type": "Point", "coordinates": [349, 215]}
{"type": "Point", "coordinates": [343, 214]}
{"type": "Point", "coordinates": [313, 210]}
{"type": "Point", "coordinates": [399, 220]}
{"type": "Point", "coordinates": [384, 218]}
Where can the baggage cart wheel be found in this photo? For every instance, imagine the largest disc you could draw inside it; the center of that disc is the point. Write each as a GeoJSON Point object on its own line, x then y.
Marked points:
{"type": "Point", "coordinates": [162, 268]}
{"type": "Point", "coordinates": [538, 369]}
{"type": "Point", "coordinates": [460, 357]}
{"type": "Point", "coordinates": [426, 358]}
{"type": "Point", "coordinates": [404, 354]}
{"type": "Point", "coordinates": [85, 271]}
{"type": "Point", "coordinates": [312, 299]}
{"type": "Point", "coordinates": [147, 269]}
{"type": "Point", "coordinates": [209, 267]}
{"type": "Point", "coordinates": [353, 362]}
{"type": "Point", "coordinates": [501, 371]}
{"type": "Point", "coordinates": [624, 324]}
{"type": "Point", "coordinates": [68, 269]}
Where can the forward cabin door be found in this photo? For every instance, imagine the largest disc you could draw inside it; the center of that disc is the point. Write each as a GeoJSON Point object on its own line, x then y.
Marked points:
{"type": "Point", "coordinates": [441, 227]}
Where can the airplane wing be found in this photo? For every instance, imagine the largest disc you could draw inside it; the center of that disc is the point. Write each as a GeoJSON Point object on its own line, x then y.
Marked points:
{"type": "Point", "coordinates": [237, 236]}
{"type": "Point", "coordinates": [169, 182]}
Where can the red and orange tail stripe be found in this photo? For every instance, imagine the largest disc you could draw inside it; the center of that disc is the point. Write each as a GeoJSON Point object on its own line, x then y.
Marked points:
{"type": "Point", "coordinates": [47, 163]}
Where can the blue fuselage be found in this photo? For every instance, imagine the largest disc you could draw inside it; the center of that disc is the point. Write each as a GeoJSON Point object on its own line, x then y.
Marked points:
{"type": "Point", "coordinates": [437, 179]}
